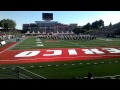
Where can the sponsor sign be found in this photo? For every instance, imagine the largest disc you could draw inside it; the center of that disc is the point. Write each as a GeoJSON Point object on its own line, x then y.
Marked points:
{"type": "Point", "coordinates": [2, 42]}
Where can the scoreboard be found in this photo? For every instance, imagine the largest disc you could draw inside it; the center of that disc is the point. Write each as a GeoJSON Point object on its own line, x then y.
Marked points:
{"type": "Point", "coordinates": [47, 16]}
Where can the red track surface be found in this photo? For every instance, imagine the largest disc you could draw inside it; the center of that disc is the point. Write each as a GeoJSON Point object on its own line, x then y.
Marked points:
{"type": "Point", "coordinates": [6, 46]}
{"type": "Point", "coordinates": [8, 56]}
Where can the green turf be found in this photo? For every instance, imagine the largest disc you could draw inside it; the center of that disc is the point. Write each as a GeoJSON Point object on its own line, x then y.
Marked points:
{"type": "Point", "coordinates": [71, 71]}
{"type": "Point", "coordinates": [30, 43]}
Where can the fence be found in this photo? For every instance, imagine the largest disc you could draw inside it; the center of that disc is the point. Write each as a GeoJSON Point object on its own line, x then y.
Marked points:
{"type": "Point", "coordinates": [18, 73]}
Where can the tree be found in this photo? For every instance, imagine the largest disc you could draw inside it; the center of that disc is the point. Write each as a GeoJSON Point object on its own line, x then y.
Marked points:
{"type": "Point", "coordinates": [8, 24]}
{"type": "Point", "coordinates": [0, 24]}
{"type": "Point", "coordinates": [87, 26]}
{"type": "Point", "coordinates": [95, 25]}
{"type": "Point", "coordinates": [93, 32]}
{"type": "Point", "coordinates": [100, 23]}
{"type": "Point", "coordinates": [78, 30]}
{"type": "Point", "coordinates": [110, 24]}
{"type": "Point", "coordinates": [116, 32]}
{"type": "Point", "coordinates": [12, 24]}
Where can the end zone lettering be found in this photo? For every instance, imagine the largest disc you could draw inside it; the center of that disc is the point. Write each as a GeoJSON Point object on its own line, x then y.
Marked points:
{"type": "Point", "coordinates": [70, 52]}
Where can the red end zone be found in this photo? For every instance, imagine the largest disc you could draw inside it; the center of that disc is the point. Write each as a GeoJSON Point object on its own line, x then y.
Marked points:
{"type": "Point", "coordinates": [57, 54]}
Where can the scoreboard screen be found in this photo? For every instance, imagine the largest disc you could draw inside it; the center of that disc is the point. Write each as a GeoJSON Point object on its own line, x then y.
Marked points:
{"type": "Point", "coordinates": [47, 16]}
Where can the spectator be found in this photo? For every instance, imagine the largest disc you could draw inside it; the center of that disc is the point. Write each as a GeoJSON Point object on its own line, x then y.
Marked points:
{"type": "Point", "coordinates": [89, 75]}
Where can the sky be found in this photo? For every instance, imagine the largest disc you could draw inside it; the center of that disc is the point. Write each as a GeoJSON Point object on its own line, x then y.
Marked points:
{"type": "Point", "coordinates": [65, 17]}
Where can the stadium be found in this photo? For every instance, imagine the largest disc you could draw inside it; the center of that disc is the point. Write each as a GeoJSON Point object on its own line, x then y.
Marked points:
{"type": "Point", "coordinates": [48, 26]}
{"type": "Point", "coordinates": [51, 50]}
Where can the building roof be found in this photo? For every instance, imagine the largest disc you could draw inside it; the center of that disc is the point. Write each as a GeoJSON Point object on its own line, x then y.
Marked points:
{"type": "Point", "coordinates": [46, 21]}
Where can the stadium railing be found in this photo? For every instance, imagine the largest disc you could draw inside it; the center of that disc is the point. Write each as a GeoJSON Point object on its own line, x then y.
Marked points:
{"type": "Point", "coordinates": [18, 73]}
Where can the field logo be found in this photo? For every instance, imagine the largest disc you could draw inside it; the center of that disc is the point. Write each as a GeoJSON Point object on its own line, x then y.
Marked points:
{"type": "Point", "coordinates": [70, 52]}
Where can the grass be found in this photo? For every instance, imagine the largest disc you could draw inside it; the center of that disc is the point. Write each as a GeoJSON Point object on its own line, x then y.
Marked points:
{"type": "Point", "coordinates": [69, 70]}
{"type": "Point", "coordinates": [30, 43]}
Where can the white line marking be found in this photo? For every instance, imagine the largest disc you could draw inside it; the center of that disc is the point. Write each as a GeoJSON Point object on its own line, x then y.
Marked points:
{"type": "Point", "coordinates": [102, 62]}
{"type": "Point", "coordinates": [7, 49]}
{"type": "Point", "coordinates": [38, 42]}
{"type": "Point", "coordinates": [13, 68]}
{"type": "Point", "coordinates": [105, 39]}
{"type": "Point", "coordinates": [95, 63]}
{"type": "Point", "coordinates": [40, 45]}
{"type": "Point", "coordinates": [49, 65]}
{"type": "Point", "coordinates": [75, 44]}
{"type": "Point", "coordinates": [25, 45]}
{"type": "Point", "coordinates": [40, 66]}
{"type": "Point", "coordinates": [23, 67]}
{"type": "Point", "coordinates": [34, 73]}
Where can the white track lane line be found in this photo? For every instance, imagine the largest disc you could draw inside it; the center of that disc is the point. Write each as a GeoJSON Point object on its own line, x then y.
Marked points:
{"type": "Point", "coordinates": [6, 49]}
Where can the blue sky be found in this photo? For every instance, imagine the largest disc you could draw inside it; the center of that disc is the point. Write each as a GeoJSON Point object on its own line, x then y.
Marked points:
{"type": "Point", "coordinates": [66, 17]}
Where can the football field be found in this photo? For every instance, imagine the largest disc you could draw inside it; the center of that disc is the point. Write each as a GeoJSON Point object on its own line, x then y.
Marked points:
{"type": "Point", "coordinates": [64, 59]}
{"type": "Point", "coordinates": [32, 42]}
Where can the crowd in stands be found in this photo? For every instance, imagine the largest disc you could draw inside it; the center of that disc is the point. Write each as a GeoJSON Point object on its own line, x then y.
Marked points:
{"type": "Point", "coordinates": [108, 31]}
{"type": "Point", "coordinates": [6, 35]}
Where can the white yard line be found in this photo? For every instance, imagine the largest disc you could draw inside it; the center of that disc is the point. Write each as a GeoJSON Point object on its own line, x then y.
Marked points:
{"type": "Point", "coordinates": [40, 45]}
{"type": "Point", "coordinates": [25, 45]}
{"type": "Point", "coordinates": [38, 41]}
{"type": "Point", "coordinates": [105, 39]}
{"type": "Point", "coordinates": [75, 44]}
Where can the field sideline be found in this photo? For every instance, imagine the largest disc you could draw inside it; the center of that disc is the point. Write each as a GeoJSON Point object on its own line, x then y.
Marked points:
{"type": "Point", "coordinates": [71, 69]}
